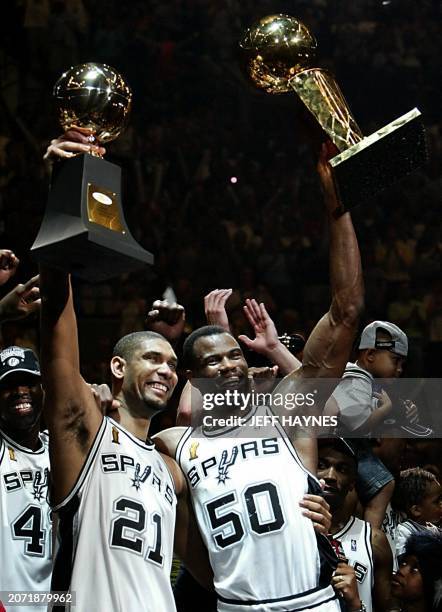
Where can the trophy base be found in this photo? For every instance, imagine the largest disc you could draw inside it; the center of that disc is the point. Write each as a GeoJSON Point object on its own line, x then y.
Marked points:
{"type": "Point", "coordinates": [374, 164]}
{"type": "Point", "coordinates": [84, 231]}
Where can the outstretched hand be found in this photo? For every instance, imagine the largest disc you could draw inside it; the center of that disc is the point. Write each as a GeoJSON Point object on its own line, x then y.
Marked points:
{"type": "Point", "coordinates": [8, 265]}
{"type": "Point", "coordinates": [215, 308]}
{"type": "Point", "coordinates": [166, 319]}
{"type": "Point", "coordinates": [73, 143]}
{"type": "Point", "coordinates": [22, 301]}
{"type": "Point", "coordinates": [266, 336]}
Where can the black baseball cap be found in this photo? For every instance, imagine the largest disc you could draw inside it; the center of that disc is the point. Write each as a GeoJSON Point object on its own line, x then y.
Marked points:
{"type": "Point", "coordinates": [16, 359]}
{"type": "Point", "coordinates": [339, 444]}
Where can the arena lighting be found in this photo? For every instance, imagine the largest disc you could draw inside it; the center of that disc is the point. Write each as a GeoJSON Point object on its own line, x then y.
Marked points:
{"type": "Point", "coordinates": [233, 179]}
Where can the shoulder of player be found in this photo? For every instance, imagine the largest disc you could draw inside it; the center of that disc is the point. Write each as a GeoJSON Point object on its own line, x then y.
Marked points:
{"type": "Point", "coordinates": [176, 473]}
{"type": "Point", "coordinates": [166, 441]}
{"type": "Point", "coordinates": [290, 381]}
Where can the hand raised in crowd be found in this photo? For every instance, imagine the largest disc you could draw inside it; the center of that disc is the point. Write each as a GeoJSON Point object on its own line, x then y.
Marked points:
{"type": "Point", "coordinates": [266, 337]}
{"type": "Point", "coordinates": [266, 340]}
{"type": "Point", "coordinates": [166, 319]}
{"type": "Point", "coordinates": [105, 401]}
{"type": "Point", "coordinates": [318, 511]}
{"type": "Point", "coordinates": [8, 265]}
{"type": "Point", "coordinates": [22, 301]}
{"type": "Point", "coordinates": [215, 307]}
{"type": "Point", "coordinates": [344, 582]}
{"type": "Point", "coordinates": [263, 378]}
{"type": "Point", "coordinates": [72, 143]}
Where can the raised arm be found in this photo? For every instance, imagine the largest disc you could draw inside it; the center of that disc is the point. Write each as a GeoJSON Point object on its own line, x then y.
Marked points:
{"type": "Point", "coordinates": [328, 348]}
{"type": "Point", "coordinates": [329, 345]}
{"type": "Point", "coordinates": [70, 410]}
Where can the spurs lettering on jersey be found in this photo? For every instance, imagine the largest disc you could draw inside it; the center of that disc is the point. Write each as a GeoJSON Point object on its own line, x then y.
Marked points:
{"type": "Point", "coordinates": [138, 474]}
{"type": "Point", "coordinates": [222, 463]}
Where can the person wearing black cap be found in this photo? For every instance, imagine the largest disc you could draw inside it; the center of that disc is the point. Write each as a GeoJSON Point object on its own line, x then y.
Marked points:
{"type": "Point", "coordinates": [25, 527]}
{"type": "Point", "coordinates": [364, 548]}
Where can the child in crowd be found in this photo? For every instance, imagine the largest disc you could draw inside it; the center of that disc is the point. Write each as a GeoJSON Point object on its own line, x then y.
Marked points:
{"type": "Point", "coordinates": [360, 407]}
{"type": "Point", "coordinates": [418, 497]}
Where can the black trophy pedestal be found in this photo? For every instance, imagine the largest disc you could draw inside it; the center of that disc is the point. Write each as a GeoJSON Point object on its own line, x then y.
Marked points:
{"type": "Point", "coordinates": [84, 231]}
{"type": "Point", "coordinates": [379, 160]}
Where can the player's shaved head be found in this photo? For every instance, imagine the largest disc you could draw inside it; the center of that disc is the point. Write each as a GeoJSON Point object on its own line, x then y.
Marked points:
{"type": "Point", "coordinates": [189, 344]}
{"type": "Point", "coordinates": [127, 345]}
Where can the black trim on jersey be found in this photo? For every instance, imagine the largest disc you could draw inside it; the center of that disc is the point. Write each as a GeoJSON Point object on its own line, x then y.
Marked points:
{"type": "Point", "coordinates": [255, 602]}
{"type": "Point", "coordinates": [367, 538]}
{"type": "Point", "coordinates": [144, 445]}
{"type": "Point", "coordinates": [355, 371]}
{"type": "Point", "coordinates": [89, 460]}
{"type": "Point", "coordinates": [316, 605]}
{"type": "Point", "coordinates": [2, 449]}
{"type": "Point", "coordinates": [21, 448]}
{"type": "Point", "coordinates": [310, 607]}
{"type": "Point", "coordinates": [347, 527]}
{"type": "Point", "coordinates": [64, 561]}
{"type": "Point", "coordinates": [179, 447]}
{"type": "Point", "coordinates": [292, 449]}
{"type": "Point", "coordinates": [328, 560]}
{"type": "Point", "coordinates": [223, 431]}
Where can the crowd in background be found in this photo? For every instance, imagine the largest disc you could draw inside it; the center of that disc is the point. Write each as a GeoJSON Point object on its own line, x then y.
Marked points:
{"type": "Point", "coordinates": [220, 179]}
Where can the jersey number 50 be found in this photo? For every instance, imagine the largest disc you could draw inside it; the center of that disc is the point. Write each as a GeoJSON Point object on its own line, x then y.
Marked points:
{"type": "Point", "coordinates": [263, 511]}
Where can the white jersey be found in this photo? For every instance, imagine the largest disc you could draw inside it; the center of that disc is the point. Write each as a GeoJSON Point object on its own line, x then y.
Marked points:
{"type": "Point", "coordinates": [25, 526]}
{"type": "Point", "coordinates": [117, 528]}
{"type": "Point", "coordinates": [355, 538]}
{"type": "Point", "coordinates": [246, 494]}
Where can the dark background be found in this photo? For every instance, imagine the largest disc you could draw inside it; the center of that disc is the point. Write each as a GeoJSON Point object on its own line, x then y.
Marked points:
{"type": "Point", "coordinates": [196, 124]}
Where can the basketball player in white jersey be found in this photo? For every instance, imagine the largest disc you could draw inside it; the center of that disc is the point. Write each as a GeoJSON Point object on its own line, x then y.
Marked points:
{"type": "Point", "coordinates": [366, 548]}
{"type": "Point", "coordinates": [25, 526]}
{"type": "Point", "coordinates": [114, 493]}
{"type": "Point", "coordinates": [246, 492]}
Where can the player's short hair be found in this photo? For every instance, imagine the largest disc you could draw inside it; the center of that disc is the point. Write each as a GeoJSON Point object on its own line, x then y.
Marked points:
{"type": "Point", "coordinates": [189, 343]}
{"type": "Point", "coordinates": [411, 488]}
{"type": "Point", "coordinates": [126, 345]}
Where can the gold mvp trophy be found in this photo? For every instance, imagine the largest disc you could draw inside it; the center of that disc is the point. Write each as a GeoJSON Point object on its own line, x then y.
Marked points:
{"type": "Point", "coordinates": [279, 54]}
{"type": "Point", "coordinates": [83, 229]}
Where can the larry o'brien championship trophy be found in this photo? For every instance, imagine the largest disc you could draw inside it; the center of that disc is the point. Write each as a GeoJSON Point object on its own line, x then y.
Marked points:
{"type": "Point", "coordinates": [83, 230]}
{"type": "Point", "coordinates": [279, 53]}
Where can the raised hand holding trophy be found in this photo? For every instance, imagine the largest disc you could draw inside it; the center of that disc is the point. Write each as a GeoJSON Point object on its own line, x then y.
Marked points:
{"type": "Point", "coordinates": [84, 230]}
{"type": "Point", "coordinates": [279, 53]}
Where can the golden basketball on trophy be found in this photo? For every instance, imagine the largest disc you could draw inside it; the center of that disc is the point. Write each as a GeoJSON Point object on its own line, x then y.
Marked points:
{"type": "Point", "coordinates": [84, 230]}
